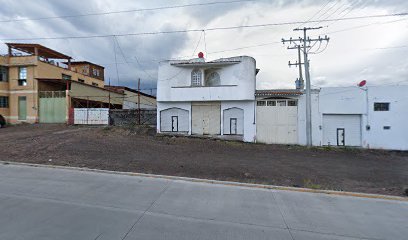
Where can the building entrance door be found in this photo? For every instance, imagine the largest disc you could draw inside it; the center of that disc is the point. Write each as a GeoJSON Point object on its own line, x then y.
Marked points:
{"type": "Point", "coordinates": [233, 126]}
{"type": "Point", "coordinates": [22, 108]}
{"type": "Point", "coordinates": [174, 123]}
{"type": "Point", "coordinates": [341, 137]}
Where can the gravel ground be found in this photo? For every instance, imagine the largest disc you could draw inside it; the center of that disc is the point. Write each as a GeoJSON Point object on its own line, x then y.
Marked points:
{"type": "Point", "coordinates": [139, 150]}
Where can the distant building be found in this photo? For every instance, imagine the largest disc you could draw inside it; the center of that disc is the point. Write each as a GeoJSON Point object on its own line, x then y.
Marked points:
{"type": "Point", "coordinates": [37, 86]}
{"type": "Point", "coordinates": [214, 98]}
{"type": "Point", "coordinates": [132, 97]}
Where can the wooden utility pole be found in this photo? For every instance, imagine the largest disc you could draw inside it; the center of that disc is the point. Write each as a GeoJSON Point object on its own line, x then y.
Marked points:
{"type": "Point", "coordinates": [138, 101]}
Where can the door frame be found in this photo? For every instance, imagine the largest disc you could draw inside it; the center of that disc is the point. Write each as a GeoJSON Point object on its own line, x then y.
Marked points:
{"type": "Point", "coordinates": [172, 123]}
{"type": "Point", "coordinates": [19, 108]}
{"type": "Point", "coordinates": [344, 136]}
{"type": "Point", "coordinates": [236, 126]}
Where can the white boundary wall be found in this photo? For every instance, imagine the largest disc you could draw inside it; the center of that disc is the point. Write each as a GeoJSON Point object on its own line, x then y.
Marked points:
{"type": "Point", "coordinates": [91, 116]}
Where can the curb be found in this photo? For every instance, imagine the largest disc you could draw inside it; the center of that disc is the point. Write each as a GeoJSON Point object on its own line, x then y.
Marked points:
{"type": "Point", "coordinates": [226, 183]}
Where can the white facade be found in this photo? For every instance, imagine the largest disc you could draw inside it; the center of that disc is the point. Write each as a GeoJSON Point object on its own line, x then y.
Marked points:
{"type": "Point", "coordinates": [219, 97]}
{"type": "Point", "coordinates": [352, 109]}
{"type": "Point", "coordinates": [341, 116]}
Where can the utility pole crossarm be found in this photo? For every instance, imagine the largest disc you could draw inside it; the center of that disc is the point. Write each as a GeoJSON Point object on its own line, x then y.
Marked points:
{"type": "Point", "coordinates": [302, 44]}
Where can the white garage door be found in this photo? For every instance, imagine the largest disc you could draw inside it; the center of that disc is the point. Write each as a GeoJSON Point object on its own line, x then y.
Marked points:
{"type": "Point", "coordinates": [206, 118]}
{"type": "Point", "coordinates": [276, 121]}
{"type": "Point", "coordinates": [342, 129]}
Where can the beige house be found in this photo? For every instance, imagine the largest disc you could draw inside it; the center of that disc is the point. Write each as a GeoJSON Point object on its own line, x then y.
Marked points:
{"type": "Point", "coordinates": [132, 98]}
{"type": "Point", "coordinates": [38, 84]}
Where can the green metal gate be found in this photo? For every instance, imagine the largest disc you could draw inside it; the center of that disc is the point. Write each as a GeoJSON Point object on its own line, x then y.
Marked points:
{"type": "Point", "coordinates": [53, 107]}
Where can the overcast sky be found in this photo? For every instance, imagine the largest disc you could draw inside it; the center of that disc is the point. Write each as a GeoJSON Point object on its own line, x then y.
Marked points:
{"type": "Point", "coordinates": [372, 49]}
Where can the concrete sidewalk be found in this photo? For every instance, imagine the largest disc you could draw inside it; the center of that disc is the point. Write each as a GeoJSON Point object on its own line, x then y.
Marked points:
{"type": "Point", "coordinates": [44, 203]}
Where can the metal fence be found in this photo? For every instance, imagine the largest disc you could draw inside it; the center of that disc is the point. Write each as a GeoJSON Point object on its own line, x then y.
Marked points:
{"type": "Point", "coordinates": [123, 117]}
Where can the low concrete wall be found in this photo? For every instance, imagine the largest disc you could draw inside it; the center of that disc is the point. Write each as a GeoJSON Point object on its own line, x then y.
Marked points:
{"type": "Point", "coordinates": [123, 117]}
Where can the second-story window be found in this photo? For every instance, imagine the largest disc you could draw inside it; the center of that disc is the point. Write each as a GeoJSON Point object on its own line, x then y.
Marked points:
{"type": "Point", "coordinates": [196, 77]}
{"type": "Point", "coordinates": [22, 76]}
{"type": "Point", "coordinates": [213, 79]}
{"type": "Point", "coordinates": [3, 74]}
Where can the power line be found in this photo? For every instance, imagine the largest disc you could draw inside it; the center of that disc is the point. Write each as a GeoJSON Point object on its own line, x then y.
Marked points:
{"type": "Point", "coordinates": [209, 29]}
{"type": "Point", "coordinates": [124, 11]}
{"type": "Point", "coordinates": [314, 15]}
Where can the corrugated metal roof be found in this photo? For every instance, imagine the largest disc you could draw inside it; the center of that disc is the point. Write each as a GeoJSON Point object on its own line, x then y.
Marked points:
{"type": "Point", "coordinates": [278, 92]}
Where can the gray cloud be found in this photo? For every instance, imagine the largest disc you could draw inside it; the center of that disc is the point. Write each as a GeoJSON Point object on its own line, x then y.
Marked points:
{"type": "Point", "coordinates": [150, 49]}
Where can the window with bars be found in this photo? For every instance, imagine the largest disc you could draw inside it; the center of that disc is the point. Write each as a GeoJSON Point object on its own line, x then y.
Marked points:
{"type": "Point", "coordinates": [260, 103]}
{"type": "Point", "coordinates": [281, 103]}
{"type": "Point", "coordinates": [271, 103]}
{"type": "Point", "coordinates": [196, 77]}
{"type": "Point", "coordinates": [381, 106]}
{"type": "Point", "coordinates": [292, 103]}
{"type": "Point", "coordinates": [4, 102]}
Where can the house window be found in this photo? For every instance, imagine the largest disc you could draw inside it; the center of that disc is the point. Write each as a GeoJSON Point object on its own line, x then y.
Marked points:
{"type": "Point", "coordinates": [3, 74]}
{"type": "Point", "coordinates": [381, 106]}
{"type": "Point", "coordinates": [22, 73]}
{"type": "Point", "coordinates": [4, 102]}
{"type": "Point", "coordinates": [22, 76]}
{"type": "Point", "coordinates": [281, 103]}
{"type": "Point", "coordinates": [66, 77]}
{"type": "Point", "coordinates": [292, 103]}
{"type": "Point", "coordinates": [81, 80]}
{"type": "Point", "coordinates": [95, 84]}
{"type": "Point", "coordinates": [213, 79]}
{"type": "Point", "coordinates": [260, 103]}
{"type": "Point", "coordinates": [95, 72]}
{"type": "Point", "coordinates": [196, 77]}
{"type": "Point", "coordinates": [271, 103]}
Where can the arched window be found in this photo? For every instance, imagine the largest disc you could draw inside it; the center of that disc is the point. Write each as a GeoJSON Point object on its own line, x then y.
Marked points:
{"type": "Point", "coordinates": [196, 77]}
{"type": "Point", "coordinates": [213, 79]}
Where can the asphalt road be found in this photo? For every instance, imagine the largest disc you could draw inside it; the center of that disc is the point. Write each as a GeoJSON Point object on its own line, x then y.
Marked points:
{"type": "Point", "coordinates": [44, 203]}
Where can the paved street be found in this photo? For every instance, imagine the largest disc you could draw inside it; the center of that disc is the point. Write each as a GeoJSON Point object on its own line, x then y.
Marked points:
{"type": "Point", "coordinates": [43, 203]}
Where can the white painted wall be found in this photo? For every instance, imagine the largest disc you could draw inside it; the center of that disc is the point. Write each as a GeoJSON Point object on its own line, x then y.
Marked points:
{"type": "Point", "coordinates": [237, 90]}
{"type": "Point", "coordinates": [166, 121]}
{"type": "Point", "coordinates": [397, 118]}
{"type": "Point", "coordinates": [353, 100]}
{"type": "Point", "coordinates": [316, 120]}
{"type": "Point", "coordinates": [167, 105]}
{"type": "Point", "coordinates": [237, 82]}
{"type": "Point", "coordinates": [249, 117]}
{"type": "Point", "coordinates": [238, 114]}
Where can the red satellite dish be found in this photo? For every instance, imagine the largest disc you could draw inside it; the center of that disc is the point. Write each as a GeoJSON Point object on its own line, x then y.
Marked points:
{"type": "Point", "coordinates": [201, 55]}
{"type": "Point", "coordinates": [362, 83]}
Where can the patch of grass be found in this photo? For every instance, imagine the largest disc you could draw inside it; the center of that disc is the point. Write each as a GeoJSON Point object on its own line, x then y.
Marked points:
{"type": "Point", "coordinates": [307, 183]}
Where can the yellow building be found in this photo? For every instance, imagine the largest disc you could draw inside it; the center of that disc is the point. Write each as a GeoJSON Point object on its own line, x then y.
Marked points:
{"type": "Point", "coordinates": [38, 84]}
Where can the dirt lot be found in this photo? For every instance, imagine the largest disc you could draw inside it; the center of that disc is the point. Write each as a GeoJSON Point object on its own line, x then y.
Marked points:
{"type": "Point", "coordinates": [121, 149]}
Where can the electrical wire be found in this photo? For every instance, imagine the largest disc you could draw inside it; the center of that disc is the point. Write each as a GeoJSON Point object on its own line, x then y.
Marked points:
{"type": "Point", "coordinates": [314, 15]}
{"type": "Point", "coordinates": [124, 11]}
{"type": "Point", "coordinates": [210, 29]}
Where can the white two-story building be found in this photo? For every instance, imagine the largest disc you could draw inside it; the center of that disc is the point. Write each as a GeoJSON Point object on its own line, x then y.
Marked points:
{"type": "Point", "coordinates": [215, 98]}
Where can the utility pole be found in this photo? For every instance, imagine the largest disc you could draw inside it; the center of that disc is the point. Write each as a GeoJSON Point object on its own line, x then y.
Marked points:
{"type": "Point", "coordinates": [300, 83]}
{"type": "Point", "coordinates": [138, 101]}
{"type": "Point", "coordinates": [307, 45]}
